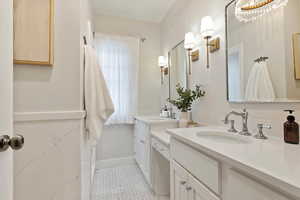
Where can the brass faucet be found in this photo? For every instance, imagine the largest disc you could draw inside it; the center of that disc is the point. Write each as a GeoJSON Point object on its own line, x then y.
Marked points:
{"type": "Point", "coordinates": [244, 114]}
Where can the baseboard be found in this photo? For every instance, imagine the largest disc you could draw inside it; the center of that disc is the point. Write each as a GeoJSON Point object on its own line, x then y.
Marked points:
{"type": "Point", "coordinates": [102, 164]}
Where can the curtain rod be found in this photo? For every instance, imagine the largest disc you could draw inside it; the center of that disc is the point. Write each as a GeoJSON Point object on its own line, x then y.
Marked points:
{"type": "Point", "coordinates": [142, 39]}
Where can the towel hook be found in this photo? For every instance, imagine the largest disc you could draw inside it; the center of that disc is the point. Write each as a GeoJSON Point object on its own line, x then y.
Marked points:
{"type": "Point", "coordinates": [261, 59]}
{"type": "Point", "coordinates": [84, 40]}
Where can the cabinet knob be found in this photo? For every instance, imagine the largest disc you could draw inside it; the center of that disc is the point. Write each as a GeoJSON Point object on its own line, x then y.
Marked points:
{"type": "Point", "coordinates": [183, 182]}
{"type": "Point", "coordinates": [188, 188]}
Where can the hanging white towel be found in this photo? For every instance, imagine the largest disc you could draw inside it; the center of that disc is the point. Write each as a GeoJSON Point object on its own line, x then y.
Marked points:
{"type": "Point", "coordinates": [98, 102]}
{"type": "Point", "coordinates": [259, 86]}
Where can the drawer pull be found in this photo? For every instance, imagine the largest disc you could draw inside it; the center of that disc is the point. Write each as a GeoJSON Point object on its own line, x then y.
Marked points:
{"type": "Point", "coordinates": [183, 182]}
{"type": "Point", "coordinates": [188, 188]}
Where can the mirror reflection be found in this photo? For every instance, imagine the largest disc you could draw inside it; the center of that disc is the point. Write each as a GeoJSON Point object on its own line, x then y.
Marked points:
{"type": "Point", "coordinates": [177, 68]}
{"type": "Point", "coordinates": [263, 57]}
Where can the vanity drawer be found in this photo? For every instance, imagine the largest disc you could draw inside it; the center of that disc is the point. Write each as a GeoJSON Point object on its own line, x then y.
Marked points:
{"type": "Point", "coordinates": [204, 168]}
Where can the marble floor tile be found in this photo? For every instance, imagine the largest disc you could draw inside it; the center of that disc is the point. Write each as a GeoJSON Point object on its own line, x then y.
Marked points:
{"type": "Point", "coordinates": [122, 183]}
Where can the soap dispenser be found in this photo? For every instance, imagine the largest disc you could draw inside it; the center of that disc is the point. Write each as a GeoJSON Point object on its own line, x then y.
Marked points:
{"type": "Point", "coordinates": [165, 112]}
{"type": "Point", "coordinates": [291, 129]}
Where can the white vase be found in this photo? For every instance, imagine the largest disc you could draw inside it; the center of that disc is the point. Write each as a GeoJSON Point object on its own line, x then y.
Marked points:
{"type": "Point", "coordinates": [184, 119]}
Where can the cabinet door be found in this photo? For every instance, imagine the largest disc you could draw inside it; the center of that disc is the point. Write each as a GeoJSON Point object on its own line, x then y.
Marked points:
{"type": "Point", "coordinates": [147, 149]}
{"type": "Point", "coordinates": [179, 182]}
{"type": "Point", "coordinates": [197, 191]}
{"type": "Point", "coordinates": [142, 147]}
{"type": "Point", "coordinates": [238, 186]}
{"type": "Point", "coordinates": [137, 145]}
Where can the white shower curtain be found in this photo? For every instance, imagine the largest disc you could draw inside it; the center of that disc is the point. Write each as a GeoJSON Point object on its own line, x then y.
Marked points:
{"type": "Point", "coordinates": [119, 60]}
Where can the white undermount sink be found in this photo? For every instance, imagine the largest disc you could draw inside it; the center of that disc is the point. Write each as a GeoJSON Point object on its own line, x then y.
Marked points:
{"type": "Point", "coordinates": [223, 137]}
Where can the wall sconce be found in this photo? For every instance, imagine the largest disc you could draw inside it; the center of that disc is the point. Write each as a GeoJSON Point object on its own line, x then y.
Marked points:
{"type": "Point", "coordinates": [207, 30]}
{"type": "Point", "coordinates": [163, 64]}
{"type": "Point", "coordinates": [189, 44]}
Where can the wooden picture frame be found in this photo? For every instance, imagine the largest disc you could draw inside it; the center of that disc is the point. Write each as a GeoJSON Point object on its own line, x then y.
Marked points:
{"type": "Point", "coordinates": [33, 32]}
{"type": "Point", "coordinates": [296, 52]}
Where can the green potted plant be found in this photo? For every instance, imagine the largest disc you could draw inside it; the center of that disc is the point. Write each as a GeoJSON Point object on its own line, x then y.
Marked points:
{"type": "Point", "coordinates": [185, 101]}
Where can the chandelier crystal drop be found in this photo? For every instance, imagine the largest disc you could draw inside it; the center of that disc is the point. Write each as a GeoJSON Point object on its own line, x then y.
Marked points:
{"type": "Point", "coordinates": [250, 10]}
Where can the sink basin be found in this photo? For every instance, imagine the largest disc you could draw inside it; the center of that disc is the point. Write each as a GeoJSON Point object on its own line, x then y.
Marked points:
{"type": "Point", "coordinates": [222, 137]}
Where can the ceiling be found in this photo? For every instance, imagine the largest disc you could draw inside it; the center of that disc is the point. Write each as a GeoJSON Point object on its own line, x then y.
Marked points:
{"type": "Point", "coordinates": [144, 10]}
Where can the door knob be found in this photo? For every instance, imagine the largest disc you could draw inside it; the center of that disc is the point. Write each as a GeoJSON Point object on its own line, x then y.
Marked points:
{"type": "Point", "coordinates": [16, 142]}
{"type": "Point", "coordinates": [4, 142]}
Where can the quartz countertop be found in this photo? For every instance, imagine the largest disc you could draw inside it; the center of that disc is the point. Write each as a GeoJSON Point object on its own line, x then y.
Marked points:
{"type": "Point", "coordinates": [162, 136]}
{"type": "Point", "coordinates": [271, 160]}
{"type": "Point", "coordinates": [155, 119]}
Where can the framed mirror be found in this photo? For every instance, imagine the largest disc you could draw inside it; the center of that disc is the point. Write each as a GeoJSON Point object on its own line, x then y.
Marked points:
{"type": "Point", "coordinates": [177, 68]}
{"type": "Point", "coordinates": [263, 55]}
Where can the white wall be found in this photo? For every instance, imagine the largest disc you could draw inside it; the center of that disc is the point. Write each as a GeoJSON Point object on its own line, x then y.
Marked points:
{"type": "Point", "coordinates": [41, 88]}
{"type": "Point", "coordinates": [186, 16]}
{"type": "Point", "coordinates": [117, 141]}
{"type": "Point", "coordinates": [48, 167]}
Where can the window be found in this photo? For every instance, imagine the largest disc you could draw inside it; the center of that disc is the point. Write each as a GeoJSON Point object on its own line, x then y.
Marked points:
{"type": "Point", "coordinates": [119, 61]}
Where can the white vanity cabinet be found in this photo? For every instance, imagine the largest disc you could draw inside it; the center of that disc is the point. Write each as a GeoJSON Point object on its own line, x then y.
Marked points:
{"type": "Point", "coordinates": [237, 185]}
{"type": "Point", "coordinates": [195, 175]}
{"type": "Point", "coordinates": [142, 147]}
{"type": "Point", "coordinates": [179, 182]}
{"type": "Point", "coordinates": [185, 187]}
{"type": "Point", "coordinates": [142, 140]}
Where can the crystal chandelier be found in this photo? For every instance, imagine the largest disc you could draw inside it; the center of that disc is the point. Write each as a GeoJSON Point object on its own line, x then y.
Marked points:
{"type": "Point", "coordinates": [250, 10]}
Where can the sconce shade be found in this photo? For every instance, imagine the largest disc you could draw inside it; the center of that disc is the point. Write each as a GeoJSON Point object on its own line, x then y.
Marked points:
{"type": "Point", "coordinates": [207, 26]}
{"type": "Point", "coordinates": [162, 61]}
{"type": "Point", "coordinates": [189, 41]}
